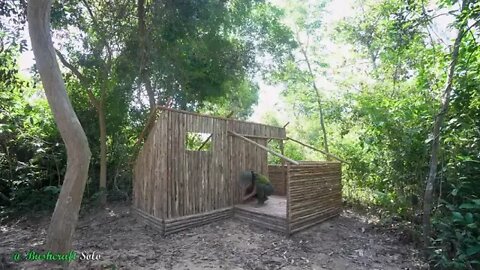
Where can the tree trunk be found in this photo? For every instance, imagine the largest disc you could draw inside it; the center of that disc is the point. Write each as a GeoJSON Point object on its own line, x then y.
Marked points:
{"type": "Point", "coordinates": [65, 216]}
{"type": "Point", "coordinates": [319, 102]}
{"type": "Point", "coordinates": [439, 119]}
{"type": "Point", "coordinates": [150, 92]}
{"type": "Point", "coordinates": [142, 47]}
{"type": "Point", "coordinates": [103, 154]}
{"type": "Point", "coordinates": [322, 122]}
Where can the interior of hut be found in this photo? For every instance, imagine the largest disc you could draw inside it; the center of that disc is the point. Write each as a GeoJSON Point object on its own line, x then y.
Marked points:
{"type": "Point", "coordinates": [276, 204]}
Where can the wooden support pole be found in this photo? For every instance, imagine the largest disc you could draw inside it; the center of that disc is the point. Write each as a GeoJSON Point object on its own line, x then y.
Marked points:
{"type": "Point", "coordinates": [284, 168]}
{"type": "Point", "coordinates": [318, 150]}
{"type": "Point", "coordinates": [263, 137]}
{"type": "Point", "coordinates": [264, 148]}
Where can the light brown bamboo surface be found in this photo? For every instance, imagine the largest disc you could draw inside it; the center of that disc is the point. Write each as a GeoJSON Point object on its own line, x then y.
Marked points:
{"type": "Point", "coordinates": [170, 181]}
{"type": "Point", "coordinates": [175, 225]}
{"type": "Point", "coordinates": [149, 220]}
{"type": "Point", "coordinates": [274, 206]}
{"type": "Point", "coordinates": [259, 219]}
{"type": "Point", "coordinates": [276, 175]}
{"type": "Point", "coordinates": [314, 193]}
{"type": "Point", "coordinates": [271, 216]}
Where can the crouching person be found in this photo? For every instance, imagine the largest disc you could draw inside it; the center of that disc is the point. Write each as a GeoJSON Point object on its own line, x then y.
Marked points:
{"type": "Point", "coordinates": [259, 185]}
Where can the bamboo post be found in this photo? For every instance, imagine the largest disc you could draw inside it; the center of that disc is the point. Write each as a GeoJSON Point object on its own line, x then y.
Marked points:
{"type": "Point", "coordinates": [289, 212]}
{"type": "Point", "coordinates": [284, 169]}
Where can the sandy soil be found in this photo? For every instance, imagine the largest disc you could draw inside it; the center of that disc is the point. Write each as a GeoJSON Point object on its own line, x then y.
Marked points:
{"type": "Point", "coordinates": [349, 241]}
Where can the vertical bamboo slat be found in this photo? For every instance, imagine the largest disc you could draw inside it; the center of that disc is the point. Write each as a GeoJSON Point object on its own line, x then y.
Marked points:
{"type": "Point", "coordinates": [289, 199]}
{"type": "Point", "coordinates": [169, 165]}
{"type": "Point", "coordinates": [175, 155]}
{"type": "Point", "coordinates": [156, 210]}
{"type": "Point", "coordinates": [163, 168]}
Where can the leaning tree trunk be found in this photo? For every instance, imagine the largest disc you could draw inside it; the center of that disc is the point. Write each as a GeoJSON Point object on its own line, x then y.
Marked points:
{"type": "Point", "coordinates": [439, 119]}
{"type": "Point", "coordinates": [65, 216]}
{"type": "Point", "coordinates": [319, 102]}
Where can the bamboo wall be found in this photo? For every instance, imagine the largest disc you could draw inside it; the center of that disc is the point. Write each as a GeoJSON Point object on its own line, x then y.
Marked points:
{"type": "Point", "coordinates": [314, 194]}
{"type": "Point", "coordinates": [246, 156]}
{"type": "Point", "coordinates": [277, 176]}
{"type": "Point", "coordinates": [171, 182]}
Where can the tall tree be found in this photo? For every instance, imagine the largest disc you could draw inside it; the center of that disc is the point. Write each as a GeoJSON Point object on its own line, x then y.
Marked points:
{"type": "Point", "coordinates": [94, 65]}
{"type": "Point", "coordinates": [196, 52]}
{"type": "Point", "coordinates": [144, 77]}
{"type": "Point", "coordinates": [65, 216]}
{"type": "Point", "coordinates": [438, 123]}
{"type": "Point", "coordinates": [305, 19]}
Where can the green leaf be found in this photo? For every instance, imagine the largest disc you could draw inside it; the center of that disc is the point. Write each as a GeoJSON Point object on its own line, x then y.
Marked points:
{"type": "Point", "coordinates": [473, 250]}
{"type": "Point", "coordinates": [469, 217]}
{"type": "Point", "coordinates": [469, 206]}
{"type": "Point", "coordinates": [457, 216]}
{"type": "Point", "coordinates": [51, 189]}
{"type": "Point", "coordinates": [472, 226]}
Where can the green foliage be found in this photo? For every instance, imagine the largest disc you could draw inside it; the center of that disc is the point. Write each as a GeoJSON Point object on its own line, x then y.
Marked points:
{"type": "Point", "coordinates": [31, 157]}
{"type": "Point", "coordinates": [27, 200]}
{"type": "Point", "coordinates": [291, 150]}
{"type": "Point", "coordinates": [239, 100]}
{"type": "Point", "coordinates": [381, 119]}
{"type": "Point", "coordinates": [194, 141]}
{"type": "Point", "coordinates": [203, 54]}
{"type": "Point", "coordinates": [457, 242]}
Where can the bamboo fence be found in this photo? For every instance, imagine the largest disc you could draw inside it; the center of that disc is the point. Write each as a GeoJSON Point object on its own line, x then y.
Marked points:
{"type": "Point", "coordinates": [314, 194]}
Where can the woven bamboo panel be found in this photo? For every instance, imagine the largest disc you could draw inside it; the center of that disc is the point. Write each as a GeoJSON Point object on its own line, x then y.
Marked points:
{"type": "Point", "coordinates": [314, 194]}
{"type": "Point", "coordinates": [149, 220]}
{"type": "Point", "coordinates": [262, 220]}
{"type": "Point", "coordinates": [188, 222]}
{"type": "Point", "coordinates": [277, 176]}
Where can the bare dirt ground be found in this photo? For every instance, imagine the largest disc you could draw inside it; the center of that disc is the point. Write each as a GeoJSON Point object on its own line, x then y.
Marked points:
{"type": "Point", "coordinates": [350, 241]}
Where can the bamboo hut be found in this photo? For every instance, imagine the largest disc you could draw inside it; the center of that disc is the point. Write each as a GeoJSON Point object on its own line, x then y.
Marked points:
{"type": "Point", "coordinates": [176, 187]}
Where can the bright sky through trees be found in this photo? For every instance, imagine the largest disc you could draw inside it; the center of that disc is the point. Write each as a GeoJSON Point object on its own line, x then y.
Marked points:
{"type": "Point", "coordinates": [269, 96]}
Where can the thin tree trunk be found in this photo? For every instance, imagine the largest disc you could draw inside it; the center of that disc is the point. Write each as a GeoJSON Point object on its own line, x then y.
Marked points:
{"type": "Point", "coordinates": [103, 154]}
{"type": "Point", "coordinates": [150, 92]}
{"type": "Point", "coordinates": [65, 216]}
{"type": "Point", "coordinates": [99, 105]}
{"type": "Point", "coordinates": [142, 35]}
{"type": "Point", "coordinates": [439, 119]}
{"type": "Point", "coordinates": [319, 102]}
